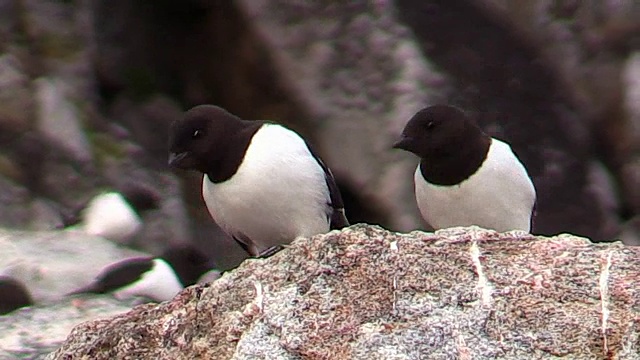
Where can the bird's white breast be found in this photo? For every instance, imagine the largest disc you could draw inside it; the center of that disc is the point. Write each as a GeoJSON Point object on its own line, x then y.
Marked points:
{"type": "Point", "coordinates": [160, 284]}
{"type": "Point", "coordinates": [499, 196]}
{"type": "Point", "coordinates": [110, 216]}
{"type": "Point", "coordinates": [278, 193]}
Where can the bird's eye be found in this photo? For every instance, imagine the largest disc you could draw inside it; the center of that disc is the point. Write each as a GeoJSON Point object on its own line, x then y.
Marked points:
{"type": "Point", "coordinates": [430, 125]}
{"type": "Point", "coordinates": [196, 134]}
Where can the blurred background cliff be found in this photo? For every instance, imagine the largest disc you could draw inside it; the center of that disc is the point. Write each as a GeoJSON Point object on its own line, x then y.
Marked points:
{"type": "Point", "coordinates": [88, 89]}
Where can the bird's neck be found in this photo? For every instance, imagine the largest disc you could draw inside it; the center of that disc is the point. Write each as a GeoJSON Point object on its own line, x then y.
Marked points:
{"type": "Point", "coordinates": [454, 167]}
{"type": "Point", "coordinates": [226, 159]}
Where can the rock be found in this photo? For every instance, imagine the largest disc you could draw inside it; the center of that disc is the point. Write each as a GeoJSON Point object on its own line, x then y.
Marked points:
{"type": "Point", "coordinates": [8, 14]}
{"type": "Point", "coordinates": [631, 79]}
{"type": "Point", "coordinates": [349, 75]}
{"type": "Point", "coordinates": [367, 293]}
{"type": "Point", "coordinates": [36, 331]}
{"type": "Point", "coordinates": [601, 187]}
{"type": "Point", "coordinates": [19, 210]}
{"type": "Point", "coordinates": [515, 69]}
{"type": "Point", "coordinates": [144, 119]}
{"type": "Point", "coordinates": [45, 216]}
{"type": "Point", "coordinates": [60, 39]}
{"type": "Point", "coordinates": [16, 98]}
{"type": "Point", "coordinates": [57, 147]}
{"type": "Point", "coordinates": [58, 118]}
{"type": "Point", "coordinates": [346, 75]}
{"type": "Point", "coordinates": [358, 73]}
{"type": "Point", "coordinates": [209, 276]}
{"type": "Point", "coordinates": [15, 199]}
{"type": "Point", "coordinates": [162, 227]}
{"type": "Point", "coordinates": [630, 170]}
{"type": "Point", "coordinates": [630, 233]}
{"type": "Point", "coordinates": [53, 263]}
{"type": "Point", "coordinates": [590, 47]}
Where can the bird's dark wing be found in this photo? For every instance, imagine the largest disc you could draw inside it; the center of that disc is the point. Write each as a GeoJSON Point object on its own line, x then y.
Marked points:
{"type": "Point", "coordinates": [118, 275]}
{"type": "Point", "coordinates": [246, 243]}
{"type": "Point", "coordinates": [338, 218]}
{"type": "Point", "coordinates": [534, 214]}
{"type": "Point", "coordinates": [252, 250]}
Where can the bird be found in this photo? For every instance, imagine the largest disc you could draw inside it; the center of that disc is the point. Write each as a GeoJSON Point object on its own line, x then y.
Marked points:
{"type": "Point", "coordinates": [263, 184]}
{"type": "Point", "coordinates": [465, 177]}
{"type": "Point", "coordinates": [13, 295]}
{"type": "Point", "coordinates": [113, 215]}
{"type": "Point", "coordinates": [157, 278]}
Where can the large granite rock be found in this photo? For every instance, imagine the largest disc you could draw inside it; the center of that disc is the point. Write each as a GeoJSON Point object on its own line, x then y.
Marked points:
{"type": "Point", "coordinates": [367, 293]}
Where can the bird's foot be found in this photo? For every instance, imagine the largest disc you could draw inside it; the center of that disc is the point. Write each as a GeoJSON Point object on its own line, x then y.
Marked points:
{"type": "Point", "coordinates": [266, 253]}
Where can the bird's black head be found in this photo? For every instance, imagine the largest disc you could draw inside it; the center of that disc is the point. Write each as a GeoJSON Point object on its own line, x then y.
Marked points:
{"type": "Point", "coordinates": [210, 140]}
{"type": "Point", "coordinates": [187, 262]}
{"type": "Point", "coordinates": [438, 130]}
{"type": "Point", "coordinates": [194, 138]}
{"type": "Point", "coordinates": [449, 143]}
{"type": "Point", "coordinates": [141, 197]}
{"type": "Point", "coordinates": [13, 295]}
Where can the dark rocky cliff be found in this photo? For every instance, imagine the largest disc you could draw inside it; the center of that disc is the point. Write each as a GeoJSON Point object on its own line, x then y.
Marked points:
{"type": "Point", "coordinates": [89, 87]}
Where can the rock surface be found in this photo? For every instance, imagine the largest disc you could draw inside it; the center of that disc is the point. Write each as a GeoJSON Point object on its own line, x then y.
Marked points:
{"type": "Point", "coordinates": [34, 332]}
{"type": "Point", "coordinates": [631, 162]}
{"type": "Point", "coordinates": [367, 293]}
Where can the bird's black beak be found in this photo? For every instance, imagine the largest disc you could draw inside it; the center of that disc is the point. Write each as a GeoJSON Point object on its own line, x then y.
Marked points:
{"type": "Point", "coordinates": [404, 143]}
{"type": "Point", "coordinates": [180, 160]}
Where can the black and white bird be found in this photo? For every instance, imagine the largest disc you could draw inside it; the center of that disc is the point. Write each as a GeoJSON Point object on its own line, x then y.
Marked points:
{"type": "Point", "coordinates": [263, 184]}
{"type": "Point", "coordinates": [157, 278]}
{"type": "Point", "coordinates": [465, 177]}
{"type": "Point", "coordinates": [114, 215]}
{"type": "Point", "coordinates": [13, 295]}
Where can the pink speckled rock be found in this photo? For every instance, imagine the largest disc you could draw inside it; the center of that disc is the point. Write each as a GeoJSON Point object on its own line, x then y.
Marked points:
{"type": "Point", "coordinates": [367, 293]}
